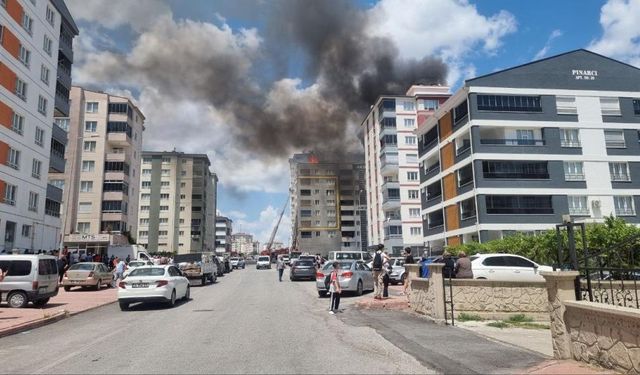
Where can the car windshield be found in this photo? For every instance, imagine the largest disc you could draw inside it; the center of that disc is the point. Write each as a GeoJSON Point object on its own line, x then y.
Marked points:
{"type": "Point", "coordinates": [81, 267]}
{"type": "Point", "coordinates": [340, 256]}
{"type": "Point", "coordinates": [136, 264]}
{"type": "Point", "coordinates": [234, 259]}
{"type": "Point", "coordinates": [399, 262]}
{"type": "Point", "coordinates": [341, 265]}
{"type": "Point", "coordinates": [151, 271]}
{"type": "Point", "coordinates": [304, 263]}
{"type": "Point", "coordinates": [263, 259]}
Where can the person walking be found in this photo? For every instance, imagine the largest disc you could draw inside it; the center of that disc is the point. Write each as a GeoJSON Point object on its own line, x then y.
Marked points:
{"type": "Point", "coordinates": [463, 267]}
{"type": "Point", "coordinates": [120, 267]}
{"type": "Point", "coordinates": [408, 259]}
{"type": "Point", "coordinates": [280, 266]}
{"type": "Point", "coordinates": [377, 273]}
{"type": "Point", "coordinates": [62, 267]}
{"type": "Point", "coordinates": [334, 288]}
{"type": "Point", "coordinates": [386, 270]}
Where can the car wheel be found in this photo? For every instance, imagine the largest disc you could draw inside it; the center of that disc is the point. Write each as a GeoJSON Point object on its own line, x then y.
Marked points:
{"type": "Point", "coordinates": [172, 301]}
{"type": "Point", "coordinates": [322, 293]}
{"type": "Point", "coordinates": [17, 299]}
{"type": "Point", "coordinates": [360, 289]}
{"type": "Point", "coordinates": [124, 306]}
{"type": "Point", "coordinates": [98, 285]}
{"type": "Point", "coordinates": [187, 294]}
{"type": "Point", "coordinates": [41, 302]}
{"type": "Point", "coordinates": [67, 288]}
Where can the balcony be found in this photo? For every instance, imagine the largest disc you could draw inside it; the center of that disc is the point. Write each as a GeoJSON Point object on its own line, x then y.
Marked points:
{"type": "Point", "coordinates": [390, 203]}
{"type": "Point", "coordinates": [116, 156]}
{"type": "Point", "coordinates": [579, 211]}
{"type": "Point", "coordinates": [390, 185]}
{"type": "Point", "coordinates": [119, 139]}
{"type": "Point", "coordinates": [113, 196]}
{"type": "Point", "coordinates": [512, 142]}
{"type": "Point", "coordinates": [620, 177]}
{"type": "Point", "coordinates": [388, 164]}
{"type": "Point", "coordinates": [54, 193]}
{"type": "Point", "coordinates": [114, 216]}
{"type": "Point", "coordinates": [389, 148]}
{"type": "Point", "coordinates": [56, 160]}
{"type": "Point", "coordinates": [116, 176]}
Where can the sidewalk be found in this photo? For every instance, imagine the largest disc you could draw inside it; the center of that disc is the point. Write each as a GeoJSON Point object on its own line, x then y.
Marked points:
{"type": "Point", "coordinates": [63, 305]}
{"type": "Point", "coordinates": [395, 301]}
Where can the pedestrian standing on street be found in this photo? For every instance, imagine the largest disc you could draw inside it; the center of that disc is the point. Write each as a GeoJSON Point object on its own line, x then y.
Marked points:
{"type": "Point", "coordinates": [377, 273]}
{"type": "Point", "coordinates": [62, 267]}
{"type": "Point", "coordinates": [120, 267]}
{"type": "Point", "coordinates": [112, 262]}
{"type": "Point", "coordinates": [448, 271]}
{"type": "Point", "coordinates": [463, 267]}
{"type": "Point", "coordinates": [334, 289]}
{"type": "Point", "coordinates": [280, 266]}
{"type": "Point", "coordinates": [386, 270]}
{"type": "Point", "coordinates": [408, 259]}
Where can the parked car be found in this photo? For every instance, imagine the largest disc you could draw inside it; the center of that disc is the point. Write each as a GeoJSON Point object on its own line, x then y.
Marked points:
{"type": "Point", "coordinates": [354, 276]}
{"type": "Point", "coordinates": [286, 260]}
{"type": "Point", "coordinates": [398, 274]}
{"type": "Point", "coordinates": [350, 255]}
{"type": "Point", "coordinates": [302, 269]}
{"type": "Point", "coordinates": [153, 284]}
{"type": "Point", "coordinates": [264, 261]}
{"type": "Point", "coordinates": [87, 275]}
{"type": "Point", "coordinates": [29, 278]}
{"type": "Point", "coordinates": [312, 258]}
{"type": "Point", "coordinates": [136, 263]}
{"type": "Point", "coordinates": [236, 262]}
{"type": "Point", "coordinates": [506, 267]}
{"type": "Point", "coordinates": [241, 263]}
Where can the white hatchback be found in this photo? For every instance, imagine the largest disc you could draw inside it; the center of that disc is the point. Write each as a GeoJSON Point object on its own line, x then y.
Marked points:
{"type": "Point", "coordinates": [153, 284]}
{"type": "Point", "coordinates": [506, 267]}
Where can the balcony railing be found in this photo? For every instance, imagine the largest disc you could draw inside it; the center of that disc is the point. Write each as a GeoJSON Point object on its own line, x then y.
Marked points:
{"type": "Point", "coordinates": [574, 176]}
{"type": "Point", "coordinates": [620, 177]}
{"type": "Point", "coordinates": [520, 210]}
{"type": "Point", "coordinates": [580, 211]}
{"type": "Point", "coordinates": [568, 143]}
{"type": "Point", "coordinates": [625, 212]}
{"type": "Point", "coordinates": [513, 142]}
{"type": "Point", "coordinates": [527, 176]}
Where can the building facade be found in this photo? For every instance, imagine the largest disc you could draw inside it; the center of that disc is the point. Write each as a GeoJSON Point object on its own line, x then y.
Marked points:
{"type": "Point", "coordinates": [102, 175]}
{"type": "Point", "coordinates": [242, 243]}
{"type": "Point", "coordinates": [392, 172]}
{"type": "Point", "coordinates": [520, 149]}
{"type": "Point", "coordinates": [177, 202]}
{"type": "Point", "coordinates": [35, 68]}
{"type": "Point", "coordinates": [328, 207]}
{"type": "Point", "coordinates": [224, 229]}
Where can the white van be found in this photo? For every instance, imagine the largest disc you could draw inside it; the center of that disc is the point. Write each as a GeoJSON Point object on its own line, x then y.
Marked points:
{"type": "Point", "coordinates": [350, 255]}
{"type": "Point", "coordinates": [29, 278]}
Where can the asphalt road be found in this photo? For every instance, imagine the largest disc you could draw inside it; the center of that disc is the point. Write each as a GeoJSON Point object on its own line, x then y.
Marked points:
{"type": "Point", "coordinates": [246, 323]}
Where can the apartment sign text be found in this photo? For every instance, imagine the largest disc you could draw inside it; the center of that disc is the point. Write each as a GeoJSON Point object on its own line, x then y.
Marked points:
{"type": "Point", "coordinates": [585, 75]}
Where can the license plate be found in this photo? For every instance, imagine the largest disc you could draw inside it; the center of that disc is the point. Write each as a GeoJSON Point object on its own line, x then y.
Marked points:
{"type": "Point", "coordinates": [140, 285]}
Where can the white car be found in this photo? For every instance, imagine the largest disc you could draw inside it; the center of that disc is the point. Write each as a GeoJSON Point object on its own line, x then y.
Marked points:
{"type": "Point", "coordinates": [153, 284]}
{"type": "Point", "coordinates": [135, 264]}
{"type": "Point", "coordinates": [506, 267]}
{"type": "Point", "coordinates": [264, 261]}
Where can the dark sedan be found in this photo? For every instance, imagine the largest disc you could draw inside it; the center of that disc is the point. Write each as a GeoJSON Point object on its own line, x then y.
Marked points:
{"type": "Point", "coordinates": [302, 269]}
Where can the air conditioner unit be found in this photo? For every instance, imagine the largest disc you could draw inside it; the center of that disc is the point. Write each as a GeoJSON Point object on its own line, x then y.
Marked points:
{"type": "Point", "coordinates": [595, 203]}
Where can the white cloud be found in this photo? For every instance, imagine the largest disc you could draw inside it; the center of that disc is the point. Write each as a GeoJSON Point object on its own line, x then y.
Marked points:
{"type": "Point", "coordinates": [262, 226]}
{"type": "Point", "coordinates": [544, 50]}
{"type": "Point", "coordinates": [139, 14]}
{"type": "Point", "coordinates": [621, 31]}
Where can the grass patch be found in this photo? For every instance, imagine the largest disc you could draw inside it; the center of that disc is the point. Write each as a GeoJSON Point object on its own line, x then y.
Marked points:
{"type": "Point", "coordinates": [498, 324]}
{"type": "Point", "coordinates": [529, 325]}
{"type": "Point", "coordinates": [463, 317]}
{"type": "Point", "coordinates": [519, 318]}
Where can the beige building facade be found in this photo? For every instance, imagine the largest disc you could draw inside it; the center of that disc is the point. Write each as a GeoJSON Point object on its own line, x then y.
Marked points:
{"type": "Point", "coordinates": [242, 243]}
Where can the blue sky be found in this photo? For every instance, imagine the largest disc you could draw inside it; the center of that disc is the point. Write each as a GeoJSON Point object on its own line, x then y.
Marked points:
{"type": "Point", "coordinates": [471, 37]}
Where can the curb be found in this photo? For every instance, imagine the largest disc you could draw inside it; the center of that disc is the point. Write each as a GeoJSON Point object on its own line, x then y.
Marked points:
{"type": "Point", "coordinates": [33, 324]}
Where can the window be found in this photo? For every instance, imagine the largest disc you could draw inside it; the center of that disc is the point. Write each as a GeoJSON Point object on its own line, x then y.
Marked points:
{"type": "Point", "coordinates": [415, 231]}
{"type": "Point", "coordinates": [430, 104]}
{"type": "Point", "coordinates": [146, 172]}
{"type": "Point", "coordinates": [183, 173]}
{"type": "Point", "coordinates": [166, 184]}
{"type": "Point", "coordinates": [84, 227]}
{"type": "Point", "coordinates": [27, 23]}
{"type": "Point", "coordinates": [10, 194]}
{"type": "Point", "coordinates": [25, 56]}
{"type": "Point", "coordinates": [166, 172]}
{"type": "Point", "coordinates": [90, 146]}
{"type": "Point", "coordinates": [57, 183]}
{"type": "Point", "coordinates": [435, 219]}
{"type": "Point", "coordinates": [614, 138]}
{"type": "Point", "coordinates": [164, 208]}
{"type": "Point", "coordinates": [624, 205]}
{"type": "Point", "coordinates": [92, 107]}
{"type": "Point", "coordinates": [26, 230]}
{"type": "Point", "coordinates": [166, 160]}
{"type": "Point", "coordinates": [573, 171]}
{"type": "Point", "coordinates": [90, 126]}
{"type": "Point", "coordinates": [88, 165]}
{"type": "Point", "coordinates": [143, 233]}
{"type": "Point", "coordinates": [146, 184]}
{"type": "Point", "coordinates": [182, 208]}
{"type": "Point", "coordinates": [504, 103]}
{"type": "Point", "coordinates": [410, 140]}
{"type": "Point", "coordinates": [17, 123]}
{"type": "Point", "coordinates": [144, 221]}
{"type": "Point", "coordinates": [636, 106]}
{"type": "Point", "coordinates": [467, 209]}
{"type": "Point", "coordinates": [144, 208]}
{"type": "Point", "coordinates": [164, 196]}
{"type": "Point", "coordinates": [515, 169]}
{"type": "Point", "coordinates": [519, 204]}
{"type": "Point", "coordinates": [412, 158]}
{"type": "Point", "coordinates": [566, 105]}
{"type": "Point", "coordinates": [21, 89]}
{"type": "Point", "coordinates": [14, 159]}
{"type": "Point", "coordinates": [147, 160]}
{"type": "Point", "coordinates": [408, 106]}
{"type": "Point", "coordinates": [578, 205]}
{"type": "Point", "coordinates": [86, 186]}
{"type": "Point", "coordinates": [163, 233]}
{"type": "Point", "coordinates": [330, 193]}
{"type": "Point", "coordinates": [120, 108]}
{"type": "Point", "coordinates": [409, 123]}
{"type": "Point", "coordinates": [465, 175]}
{"type": "Point", "coordinates": [412, 176]}
{"type": "Point", "coordinates": [145, 196]}
{"type": "Point", "coordinates": [619, 172]}
{"type": "Point", "coordinates": [164, 220]}
{"type": "Point", "coordinates": [460, 112]}
{"type": "Point", "coordinates": [35, 168]}
{"type": "Point", "coordinates": [114, 206]}
{"type": "Point", "coordinates": [610, 106]}
{"type": "Point", "coordinates": [33, 201]}
{"type": "Point", "coordinates": [84, 207]}
{"type": "Point", "coordinates": [42, 105]}
{"type": "Point", "coordinates": [51, 16]}
{"type": "Point", "coordinates": [413, 194]}
{"type": "Point", "coordinates": [569, 138]}
{"type": "Point", "coordinates": [414, 212]}
{"type": "Point", "coordinates": [46, 44]}
{"type": "Point", "coordinates": [183, 196]}
{"type": "Point", "coordinates": [44, 74]}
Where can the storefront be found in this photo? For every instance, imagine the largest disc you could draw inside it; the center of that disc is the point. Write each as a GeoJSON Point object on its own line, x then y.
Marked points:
{"type": "Point", "coordinates": [94, 244]}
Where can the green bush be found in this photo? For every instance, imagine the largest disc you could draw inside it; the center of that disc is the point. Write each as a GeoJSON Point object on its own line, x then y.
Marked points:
{"type": "Point", "coordinates": [498, 324]}
{"type": "Point", "coordinates": [464, 317]}
{"type": "Point", "coordinates": [519, 318]}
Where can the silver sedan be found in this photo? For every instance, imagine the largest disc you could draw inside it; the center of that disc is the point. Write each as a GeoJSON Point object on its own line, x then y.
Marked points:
{"type": "Point", "coordinates": [353, 276]}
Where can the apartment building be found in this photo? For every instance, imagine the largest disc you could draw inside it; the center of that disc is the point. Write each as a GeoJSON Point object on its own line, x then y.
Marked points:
{"type": "Point", "coordinates": [102, 175]}
{"type": "Point", "coordinates": [224, 229]}
{"type": "Point", "coordinates": [328, 208]}
{"type": "Point", "coordinates": [392, 172]}
{"type": "Point", "coordinates": [35, 66]}
{"type": "Point", "coordinates": [242, 243]}
{"type": "Point", "coordinates": [519, 149]}
{"type": "Point", "coordinates": [255, 247]}
{"type": "Point", "coordinates": [177, 202]}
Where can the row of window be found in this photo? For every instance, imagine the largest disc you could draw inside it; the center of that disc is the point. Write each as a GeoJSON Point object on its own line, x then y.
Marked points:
{"type": "Point", "coordinates": [565, 105]}
{"type": "Point", "coordinates": [11, 194]}
{"type": "Point", "coordinates": [13, 161]}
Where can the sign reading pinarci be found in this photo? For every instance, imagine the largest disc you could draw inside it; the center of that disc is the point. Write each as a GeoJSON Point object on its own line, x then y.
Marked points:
{"type": "Point", "coordinates": [585, 75]}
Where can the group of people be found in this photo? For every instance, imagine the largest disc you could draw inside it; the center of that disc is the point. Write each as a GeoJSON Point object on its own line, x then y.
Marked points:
{"type": "Point", "coordinates": [453, 269]}
{"type": "Point", "coordinates": [382, 269]}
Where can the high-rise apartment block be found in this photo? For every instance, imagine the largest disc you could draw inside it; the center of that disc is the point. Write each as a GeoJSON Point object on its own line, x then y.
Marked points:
{"type": "Point", "coordinates": [35, 75]}
{"type": "Point", "coordinates": [392, 172]}
{"type": "Point", "coordinates": [102, 175]}
{"type": "Point", "coordinates": [177, 202]}
{"type": "Point", "coordinates": [328, 207]}
{"type": "Point", "coordinates": [522, 149]}
{"type": "Point", "coordinates": [242, 243]}
{"type": "Point", "coordinates": [224, 229]}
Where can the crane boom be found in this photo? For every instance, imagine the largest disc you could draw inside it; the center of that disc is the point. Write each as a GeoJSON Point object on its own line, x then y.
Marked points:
{"type": "Point", "coordinates": [275, 229]}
